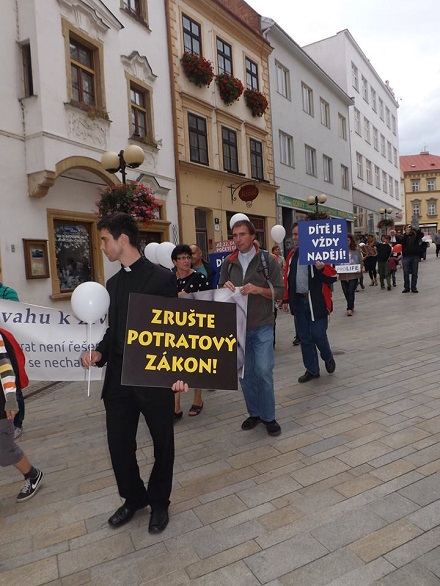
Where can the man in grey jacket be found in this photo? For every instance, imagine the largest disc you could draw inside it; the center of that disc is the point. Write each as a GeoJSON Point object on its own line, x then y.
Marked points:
{"type": "Point", "coordinates": [258, 275]}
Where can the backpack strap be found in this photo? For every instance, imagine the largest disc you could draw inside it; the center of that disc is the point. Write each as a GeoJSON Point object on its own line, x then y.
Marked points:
{"type": "Point", "coordinates": [264, 258]}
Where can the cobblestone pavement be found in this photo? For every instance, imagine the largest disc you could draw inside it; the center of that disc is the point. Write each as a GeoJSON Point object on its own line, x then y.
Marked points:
{"type": "Point", "coordinates": [347, 495]}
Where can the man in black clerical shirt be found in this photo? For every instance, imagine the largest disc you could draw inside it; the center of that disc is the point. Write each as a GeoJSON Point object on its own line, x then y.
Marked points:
{"type": "Point", "coordinates": [123, 403]}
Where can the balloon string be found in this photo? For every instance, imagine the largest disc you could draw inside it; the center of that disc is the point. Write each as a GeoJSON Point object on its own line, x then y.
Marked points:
{"type": "Point", "coordinates": [89, 342]}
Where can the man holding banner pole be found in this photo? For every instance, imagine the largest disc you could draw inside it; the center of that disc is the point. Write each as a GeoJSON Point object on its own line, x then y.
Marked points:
{"type": "Point", "coordinates": [308, 295]}
{"type": "Point", "coordinates": [123, 403]}
{"type": "Point", "coordinates": [258, 275]}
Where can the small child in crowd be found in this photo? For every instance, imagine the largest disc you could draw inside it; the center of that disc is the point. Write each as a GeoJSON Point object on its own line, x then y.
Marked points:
{"type": "Point", "coordinates": [10, 453]}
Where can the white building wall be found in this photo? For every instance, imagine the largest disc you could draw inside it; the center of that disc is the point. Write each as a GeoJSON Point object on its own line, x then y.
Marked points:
{"type": "Point", "coordinates": [40, 131]}
{"type": "Point", "coordinates": [336, 55]}
{"type": "Point", "coordinates": [289, 117]}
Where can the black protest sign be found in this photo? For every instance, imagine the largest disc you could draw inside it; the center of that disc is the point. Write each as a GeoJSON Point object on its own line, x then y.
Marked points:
{"type": "Point", "coordinates": [169, 339]}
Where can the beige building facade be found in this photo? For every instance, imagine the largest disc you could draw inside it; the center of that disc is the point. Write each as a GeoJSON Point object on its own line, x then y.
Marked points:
{"type": "Point", "coordinates": [222, 151]}
{"type": "Point", "coordinates": [421, 180]}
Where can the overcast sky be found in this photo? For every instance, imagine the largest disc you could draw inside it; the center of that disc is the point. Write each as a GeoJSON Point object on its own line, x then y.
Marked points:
{"type": "Point", "coordinates": [399, 37]}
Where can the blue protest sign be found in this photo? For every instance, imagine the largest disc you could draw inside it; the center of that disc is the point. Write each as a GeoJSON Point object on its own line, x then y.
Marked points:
{"type": "Point", "coordinates": [323, 241]}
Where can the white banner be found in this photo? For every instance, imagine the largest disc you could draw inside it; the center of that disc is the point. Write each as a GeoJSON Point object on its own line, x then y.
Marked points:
{"type": "Point", "coordinates": [348, 268]}
{"type": "Point", "coordinates": [52, 340]}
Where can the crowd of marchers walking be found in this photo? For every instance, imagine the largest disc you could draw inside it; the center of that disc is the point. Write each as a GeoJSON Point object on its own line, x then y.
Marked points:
{"type": "Point", "coordinates": [269, 282]}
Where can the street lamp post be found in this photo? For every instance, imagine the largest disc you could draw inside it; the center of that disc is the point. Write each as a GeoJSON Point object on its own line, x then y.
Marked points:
{"type": "Point", "coordinates": [384, 212]}
{"type": "Point", "coordinates": [132, 157]}
{"type": "Point", "coordinates": [316, 199]}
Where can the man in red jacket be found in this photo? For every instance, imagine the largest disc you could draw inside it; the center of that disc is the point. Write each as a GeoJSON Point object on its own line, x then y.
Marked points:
{"type": "Point", "coordinates": [308, 296]}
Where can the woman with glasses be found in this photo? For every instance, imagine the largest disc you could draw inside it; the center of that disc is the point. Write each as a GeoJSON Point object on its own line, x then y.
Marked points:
{"type": "Point", "coordinates": [188, 281]}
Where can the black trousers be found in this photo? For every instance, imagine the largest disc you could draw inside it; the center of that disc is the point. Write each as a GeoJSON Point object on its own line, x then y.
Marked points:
{"type": "Point", "coordinates": [122, 416]}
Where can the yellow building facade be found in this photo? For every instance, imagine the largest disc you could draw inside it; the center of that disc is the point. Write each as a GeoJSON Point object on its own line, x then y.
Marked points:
{"type": "Point", "coordinates": [222, 150]}
{"type": "Point", "coordinates": [421, 180]}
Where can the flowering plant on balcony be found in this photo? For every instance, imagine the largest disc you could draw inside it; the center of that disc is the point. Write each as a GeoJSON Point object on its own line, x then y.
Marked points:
{"type": "Point", "coordinates": [197, 69]}
{"type": "Point", "coordinates": [385, 223]}
{"type": "Point", "coordinates": [230, 87]}
{"type": "Point", "coordinates": [256, 102]}
{"type": "Point", "coordinates": [132, 198]}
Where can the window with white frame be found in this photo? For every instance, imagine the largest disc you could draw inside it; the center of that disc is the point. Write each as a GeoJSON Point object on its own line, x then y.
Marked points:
{"type": "Point", "coordinates": [369, 170]}
{"type": "Point", "coordinates": [357, 121]}
{"type": "Point", "coordinates": [283, 80]}
{"type": "Point", "coordinates": [328, 169]}
{"type": "Point", "coordinates": [251, 74]}
{"type": "Point", "coordinates": [344, 177]}
{"type": "Point", "coordinates": [360, 165]}
{"type": "Point", "coordinates": [224, 57]}
{"type": "Point", "coordinates": [432, 208]}
{"type": "Point", "coordinates": [256, 156]}
{"type": "Point", "coordinates": [416, 209]}
{"type": "Point", "coordinates": [230, 149]}
{"type": "Point", "coordinates": [415, 185]}
{"type": "Point", "coordinates": [430, 184]}
{"type": "Point", "coordinates": [381, 109]}
{"type": "Point", "coordinates": [286, 149]}
{"type": "Point", "coordinates": [390, 185]}
{"type": "Point", "coordinates": [393, 124]}
{"type": "Point", "coordinates": [310, 160]}
{"type": "Point", "coordinates": [377, 176]}
{"type": "Point", "coordinates": [384, 182]}
{"type": "Point", "coordinates": [375, 138]}
{"type": "Point", "coordinates": [325, 113]}
{"type": "Point", "coordinates": [389, 152]}
{"type": "Point", "coordinates": [307, 99]}
{"type": "Point", "coordinates": [395, 161]}
{"type": "Point", "coordinates": [365, 89]}
{"type": "Point", "coordinates": [192, 37]}
{"type": "Point", "coordinates": [387, 116]}
{"type": "Point", "coordinates": [354, 76]}
{"type": "Point", "coordinates": [373, 99]}
{"type": "Point", "coordinates": [367, 131]}
{"type": "Point", "coordinates": [396, 189]}
{"type": "Point", "coordinates": [198, 139]}
{"type": "Point", "coordinates": [342, 121]}
{"type": "Point", "coordinates": [383, 146]}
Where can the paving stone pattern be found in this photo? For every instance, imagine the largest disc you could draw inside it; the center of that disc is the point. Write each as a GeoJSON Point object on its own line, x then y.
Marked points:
{"type": "Point", "coordinates": [348, 494]}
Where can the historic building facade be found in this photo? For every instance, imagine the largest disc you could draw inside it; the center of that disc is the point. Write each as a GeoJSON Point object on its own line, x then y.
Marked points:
{"type": "Point", "coordinates": [373, 128]}
{"type": "Point", "coordinates": [85, 77]}
{"type": "Point", "coordinates": [310, 124]}
{"type": "Point", "coordinates": [421, 180]}
{"type": "Point", "coordinates": [223, 145]}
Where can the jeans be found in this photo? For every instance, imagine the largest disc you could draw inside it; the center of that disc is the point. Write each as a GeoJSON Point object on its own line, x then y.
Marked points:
{"type": "Point", "coordinates": [410, 265]}
{"type": "Point", "coordinates": [257, 382]}
{"type": "Point", "coordinates": [348, 288]}
{"type": "Point", "coordinates": [313, 334]}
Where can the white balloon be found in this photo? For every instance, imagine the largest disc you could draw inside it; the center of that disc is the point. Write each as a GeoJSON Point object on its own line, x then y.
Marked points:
{"type": "Point", "coordinates": [150, 251]}
{"type": "Point", "coordinates": [237, 218]}
{"type": "Point", "coordinates": [163, 254]}
{"type": "Point", "coordinates": [90, 301]}
{"type": "Point", "coordinates": [278, 233]}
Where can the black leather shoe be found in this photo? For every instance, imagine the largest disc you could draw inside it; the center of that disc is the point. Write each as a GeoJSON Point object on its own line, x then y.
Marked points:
{"type": "Point", "coordinates": [330, 365]}
{"type": "Point", "coordinates": [307, 376]}
{"type": "Point", "coordinates": [414, 291]}
{"type": "Point", "coordinates": [250, 423]}
{"type": "Point", "coordinates": [158, 520]}
{"type": "Point", "coordinates": [273, 427]}
{"type": "Point", "coordinates": [123, 515]}
{"type": "Point", "coordinates": [405, 291]}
